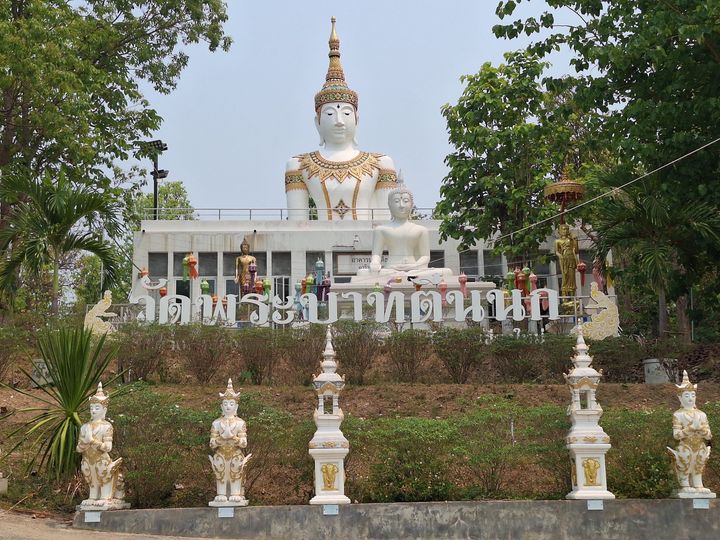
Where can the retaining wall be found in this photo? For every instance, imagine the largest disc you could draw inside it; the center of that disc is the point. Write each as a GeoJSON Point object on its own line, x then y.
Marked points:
{"type": "Point", "coordinates": [513, 520]}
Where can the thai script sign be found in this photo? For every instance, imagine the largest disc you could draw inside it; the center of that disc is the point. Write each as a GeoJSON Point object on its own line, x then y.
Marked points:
{"type": "Point", "coordinates": [350, 263]}
{"type": "Point", "coordinates": [423, 306]}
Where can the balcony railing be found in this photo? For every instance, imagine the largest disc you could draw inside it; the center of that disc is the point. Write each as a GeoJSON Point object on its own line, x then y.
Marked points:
{"type": "Point", "coordinates": [258, 214]}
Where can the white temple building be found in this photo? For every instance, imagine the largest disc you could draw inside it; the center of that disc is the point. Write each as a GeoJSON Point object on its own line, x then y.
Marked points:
{"type": "Point", "coordinates": [349, 189]}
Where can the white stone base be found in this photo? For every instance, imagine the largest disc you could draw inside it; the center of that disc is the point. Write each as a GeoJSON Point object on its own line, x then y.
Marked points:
{"type": "Point", "coordinates": [102, 504]}
{"type": "Point", "coordinates": [693, 493]}
{"type": "Point", "coordinates": [226, 504]}
{"type": "Point", "coordinates": [588, 494]}
{"type": "Point", "coordinates": [330, 498]}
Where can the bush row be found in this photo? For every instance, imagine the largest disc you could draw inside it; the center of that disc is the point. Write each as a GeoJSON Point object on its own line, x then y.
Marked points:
{"type": "Point", "coordinates": [365, 351]}
{"type": "Point", "coordinates": [499, 448]}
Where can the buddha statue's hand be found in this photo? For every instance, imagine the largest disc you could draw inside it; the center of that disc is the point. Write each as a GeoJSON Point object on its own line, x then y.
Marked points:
{"type": "Point", "coordinates": [406, 267]}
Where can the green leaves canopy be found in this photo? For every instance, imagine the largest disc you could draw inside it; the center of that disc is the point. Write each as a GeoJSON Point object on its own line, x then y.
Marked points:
{"type": "Point", "coordinates": [69, 83]}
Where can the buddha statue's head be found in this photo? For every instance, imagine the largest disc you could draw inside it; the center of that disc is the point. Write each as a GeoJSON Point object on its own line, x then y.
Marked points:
{"type": "Point", "coordinates": [98, 404]}
{"type": "Point", "coordinates": [686, 392]}
{"type": "Point", "coordinates": [400, 202]}
{"type": "Point", "coordinates": [564, 230]}
{"type": "Point", "coordinates": [245, 247]}
{"type": "Point", "coordinates": [336, 104]}
{"type": "Point", "coordinates": [229, 405]}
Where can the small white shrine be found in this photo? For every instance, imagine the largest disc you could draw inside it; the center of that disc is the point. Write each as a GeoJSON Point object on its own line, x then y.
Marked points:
{"type": "Point", "coordinates": [329, 446]}
{"type": "Point", "coordinates": [586, 441]}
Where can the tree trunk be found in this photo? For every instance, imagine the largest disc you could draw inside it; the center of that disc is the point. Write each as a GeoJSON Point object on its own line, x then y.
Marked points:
{"type": "Point", "coordinates": [683, 318]}
{"type": "Point", "coordinates": [56, 287]}
{"type": "Point", "coordinates": [662, 314]}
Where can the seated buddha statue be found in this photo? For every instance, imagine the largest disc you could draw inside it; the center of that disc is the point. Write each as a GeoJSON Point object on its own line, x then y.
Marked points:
{"type": "Point", "coordinates": [343, 182]}
{"type": "Point", "coordinates": [407, 244]}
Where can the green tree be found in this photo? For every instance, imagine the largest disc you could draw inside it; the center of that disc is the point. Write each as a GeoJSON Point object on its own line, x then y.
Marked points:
{"type": "Point", "coordinates": [71, 75]}
{"type": "Point", "coordinates": [50, 219]}
{"type": "Point", "coordinates": [649, 71]}
{"type": "Point", "coordinates": [172, 198]}
{"type": "Point", "coordinates": [89, 283]}
{"type": "Point", "coordinates": [509, 145]}
{"type": "Point", "coordinates": [667, 246]}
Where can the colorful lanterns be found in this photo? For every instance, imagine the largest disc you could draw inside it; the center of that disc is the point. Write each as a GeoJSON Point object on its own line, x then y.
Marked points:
{"type": "Point", "coordinates": [443, 286]}
{"type": "Point", "coordinates": [205, 287]}
{"type": "Point", "coordinates": [190, 267]}
{"type": "Point", "coordinates": [581, 267]}
{"type": "Point", "coordinates": [510, 280]}
{"type": "Point", "coordinates": [462, 280]}
{"type": "Point", "coordinates": [267, 285]}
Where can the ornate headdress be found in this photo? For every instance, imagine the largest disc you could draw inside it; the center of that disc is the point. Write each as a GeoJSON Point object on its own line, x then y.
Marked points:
{"type": "Point", "coordinates": [401, 188]}
{"type": "Point", "coordinates": [685, 385]}
{"type": "Point", "coordinates": [335, 88]}
{"type": "Point", "coordinates": [100, 396]}
{"type": "Point", "coordinates": [229, 392]}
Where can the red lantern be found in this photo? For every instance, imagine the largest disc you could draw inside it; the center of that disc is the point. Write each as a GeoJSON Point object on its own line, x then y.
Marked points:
{"type": "Point", "coordinates": [259, 286]}
{"type": "Point", "coordinates": [581, 267]}
{"type": "Point", "coordinates": [163, 292]}
{"type": "Point", "coordinates": [192, 264]}
{"type": "Point", "coordinates": [214, 300]}
{"type": "Point", "coordinates": [462, 280]}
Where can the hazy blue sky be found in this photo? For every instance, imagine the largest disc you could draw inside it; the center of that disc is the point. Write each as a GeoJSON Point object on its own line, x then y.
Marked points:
{"type": "Point", "coordinates": [235, 118]}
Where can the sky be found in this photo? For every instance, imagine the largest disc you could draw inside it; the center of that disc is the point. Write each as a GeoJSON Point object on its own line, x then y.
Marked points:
{"type": "Point", "coordinates": [235, 118]}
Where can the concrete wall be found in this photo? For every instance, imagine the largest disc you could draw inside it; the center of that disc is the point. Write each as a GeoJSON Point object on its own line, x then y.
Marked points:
{"type": "Point", "coordinates": [497, 520]}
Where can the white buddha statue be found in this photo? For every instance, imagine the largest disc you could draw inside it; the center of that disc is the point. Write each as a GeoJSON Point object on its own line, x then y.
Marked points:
{"type": "Point", "coordinates": [407, 243]}
{"type": "Point", "coordinates": [343, 181]}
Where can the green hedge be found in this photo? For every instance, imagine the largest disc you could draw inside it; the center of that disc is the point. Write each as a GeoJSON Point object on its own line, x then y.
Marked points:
{"type": "Point", "coordinates": [499, 448]}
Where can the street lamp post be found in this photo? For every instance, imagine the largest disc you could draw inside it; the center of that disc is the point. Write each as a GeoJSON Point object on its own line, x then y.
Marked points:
{"type": "Point", "coordinates": [156, 148]}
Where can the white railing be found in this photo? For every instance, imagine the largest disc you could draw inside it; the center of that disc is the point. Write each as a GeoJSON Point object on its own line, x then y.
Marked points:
{"type": "Point", "coordinates": [257, 214]}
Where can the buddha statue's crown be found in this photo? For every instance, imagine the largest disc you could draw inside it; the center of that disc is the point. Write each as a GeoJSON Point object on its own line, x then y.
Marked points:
{"type": "Point", "coordinates": [335, 88]}
{"type": "Point", "coordinates": [100, 396]}
{"type": "Point", "coordinates": [685, 385]}
{"type": "Point", "coordinates": [230, 392]}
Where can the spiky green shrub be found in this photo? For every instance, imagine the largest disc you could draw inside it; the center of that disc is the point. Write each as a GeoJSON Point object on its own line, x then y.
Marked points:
{"type": "Point", "coordinates": [76, 362]}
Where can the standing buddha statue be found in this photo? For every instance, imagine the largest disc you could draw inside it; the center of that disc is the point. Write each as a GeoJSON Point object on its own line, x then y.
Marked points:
{"type": "Point", "coordinates": [242, 266]}
{"type": "Point", "coordinates": [566, 249]}
{"type": "Point", "coordinates": [342, 180]}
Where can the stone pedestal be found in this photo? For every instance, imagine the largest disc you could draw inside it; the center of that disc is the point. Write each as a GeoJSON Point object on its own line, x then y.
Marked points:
{"type": "Point", "coordinates": [102, 505]}
{"type": "Point", "coordinates": [3, 485]}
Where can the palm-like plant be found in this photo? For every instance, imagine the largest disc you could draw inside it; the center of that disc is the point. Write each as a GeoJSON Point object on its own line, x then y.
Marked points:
{"type": "Point", "coordinates": [49, 219]}
{"type": "Point", "coordinates": [666, 237]}
{"type": "Point", "coordinates": [75, 363]}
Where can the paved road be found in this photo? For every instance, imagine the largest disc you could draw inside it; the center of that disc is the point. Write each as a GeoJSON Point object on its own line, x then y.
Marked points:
{"type": "Point", "coordinates": [14, 526]}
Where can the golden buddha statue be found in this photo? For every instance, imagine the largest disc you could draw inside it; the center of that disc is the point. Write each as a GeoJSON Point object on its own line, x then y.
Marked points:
{"type": "Point", "coordinates": [566, 249]}
{"type": "Point", "coordinates": [242, 264]}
